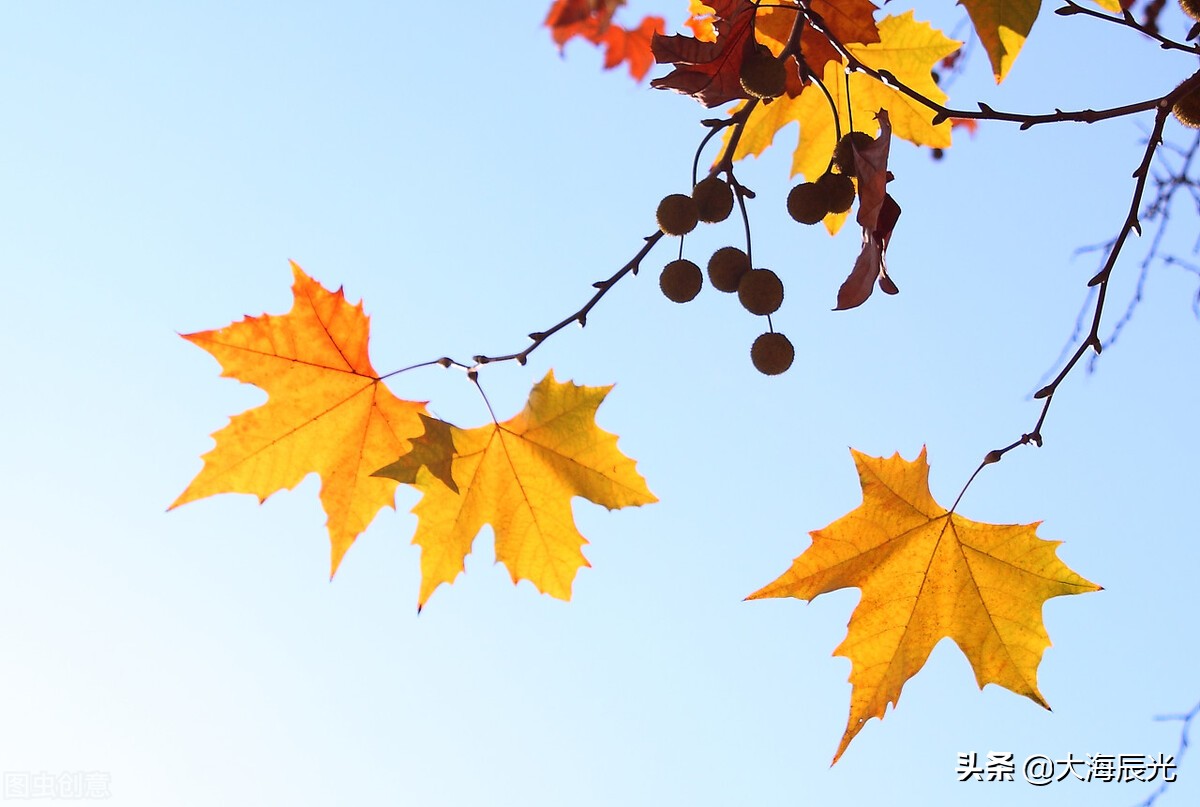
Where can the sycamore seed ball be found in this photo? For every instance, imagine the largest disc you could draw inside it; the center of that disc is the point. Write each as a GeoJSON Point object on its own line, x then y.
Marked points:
{"type": "Point", "coordinates": [726, 267]}
{"type": "Point", "coordinates": [680, 280]}
{"type": "Point", "coordinates": [772, 353]}
{"type": "Point", "coordinates": [677, 214]}
{"type": "Point", "coordinates": [1187, 109]}
{"type": "Point", "coordinates": [838, 190]}
{"type": "Point", "coordinates": [1191, 8]}
{"type": "Point", "coordinates": [714, 199]}
{"type": "Point", "coordinates": [806, 204]}
{"type": "Point", "coordinates": [843, 152]}
{"type": "Point", "coordinates": [760, 292]}
{"type": "Point", "coordinates": [762, 75]}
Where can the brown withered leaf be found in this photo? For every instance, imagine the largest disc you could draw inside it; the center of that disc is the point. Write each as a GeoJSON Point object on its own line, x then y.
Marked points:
{"type": "Point", "coordinates": [877, 213]}
{"type": "Point", "coordinates": [709, 71]}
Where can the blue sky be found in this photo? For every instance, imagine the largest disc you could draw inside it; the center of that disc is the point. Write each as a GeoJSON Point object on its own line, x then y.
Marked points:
{"type": "Point", "coordinates": [161, 164]}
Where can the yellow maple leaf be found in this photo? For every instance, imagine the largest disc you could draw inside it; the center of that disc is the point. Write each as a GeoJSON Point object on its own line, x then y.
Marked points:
{"type": "Point", "coordinates": [926, 574]}
{"type": "Point", "coordinates": [519, 476]}
{"type": "Point", "coordinates": [908, 49]}
{"type": "Point", "coordinates": [327, 411]}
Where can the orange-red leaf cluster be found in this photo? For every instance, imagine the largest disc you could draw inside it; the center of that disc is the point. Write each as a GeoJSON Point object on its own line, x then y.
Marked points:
{"type": "Point", "coordinates": [593, 20]}
{"type": "Point", "coordinates": [708, 64]}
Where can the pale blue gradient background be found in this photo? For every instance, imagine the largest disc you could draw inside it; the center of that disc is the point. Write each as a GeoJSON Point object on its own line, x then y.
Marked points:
{"type": "Point", "coordinates": [160, 164]}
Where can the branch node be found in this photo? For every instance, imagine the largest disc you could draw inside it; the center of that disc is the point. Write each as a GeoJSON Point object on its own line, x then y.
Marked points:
{"type": "Point", "coordinates": [445, 361]}
{"type": "Point", "coordinates": [992, 456]}
{"type": "Point", "coordinates": [582, 320]}
{"type": "Point", "coordinates": [537, 336]}
{"type": "Point", "coordinates": [521, 359]}
{"type": "Point", "coordinates": [1044, 392]}
{"type": "Point", "coordinates": [481, 359]}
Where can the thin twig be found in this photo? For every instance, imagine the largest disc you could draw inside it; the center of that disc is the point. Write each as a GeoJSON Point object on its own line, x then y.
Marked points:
{"type": "Point", "coordinates": [1184, 732]}
{"type": "Point", "coordinates": [985, 112]}
{"type": "Point", "coordinates": [1101, 279]}
{"type": "Point", "coordinates": [1127, 20]}
{"type": "Point", "coordinates": [724, 163]}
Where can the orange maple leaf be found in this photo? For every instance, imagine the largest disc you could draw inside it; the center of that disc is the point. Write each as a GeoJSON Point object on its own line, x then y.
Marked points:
{"type": "Point", "coordinates": [327, 412]}
{"type": "Point", "coordinates": [925, 574]}
{"type": "Point", "coordinates": [519, 476]}
{"type": "Point", "coordinates": [593, 20]}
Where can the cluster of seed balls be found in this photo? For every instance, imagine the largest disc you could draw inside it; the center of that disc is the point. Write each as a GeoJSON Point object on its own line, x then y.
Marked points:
{"type": "Point", "coordinates": [764, 76]}
{"type": "Point", "coordinates": [760, 291]}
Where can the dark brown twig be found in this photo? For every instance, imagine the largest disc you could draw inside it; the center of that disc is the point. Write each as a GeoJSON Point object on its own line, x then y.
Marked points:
{"type": "Point", "coordinates": [1127, 20]}
{"type": "Point", "coordinates": [1092, 340]}
{"type": "Point", "coordinates": [985, 112]}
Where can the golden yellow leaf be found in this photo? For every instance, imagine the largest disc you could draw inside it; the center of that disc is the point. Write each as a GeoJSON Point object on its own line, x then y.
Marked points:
{"type": "Point", "coordinates": [1002, 26]}
{"type": "Point", "coordinates": [519, 476]}
{"type": "Point", "coordinates": [926, 574]}
{"type": "Point", "coordinates": [327, 411]}
{"type": "Point", "coordinates": [908, 49]}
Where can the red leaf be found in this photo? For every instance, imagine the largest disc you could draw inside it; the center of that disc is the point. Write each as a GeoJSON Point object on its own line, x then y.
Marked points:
{"type": "Point", "coordinates": [632, 45]}
{"type": "Point", "coordinates": [709, 71]}
{"type": "Point", "coordinates": [565, 14]}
